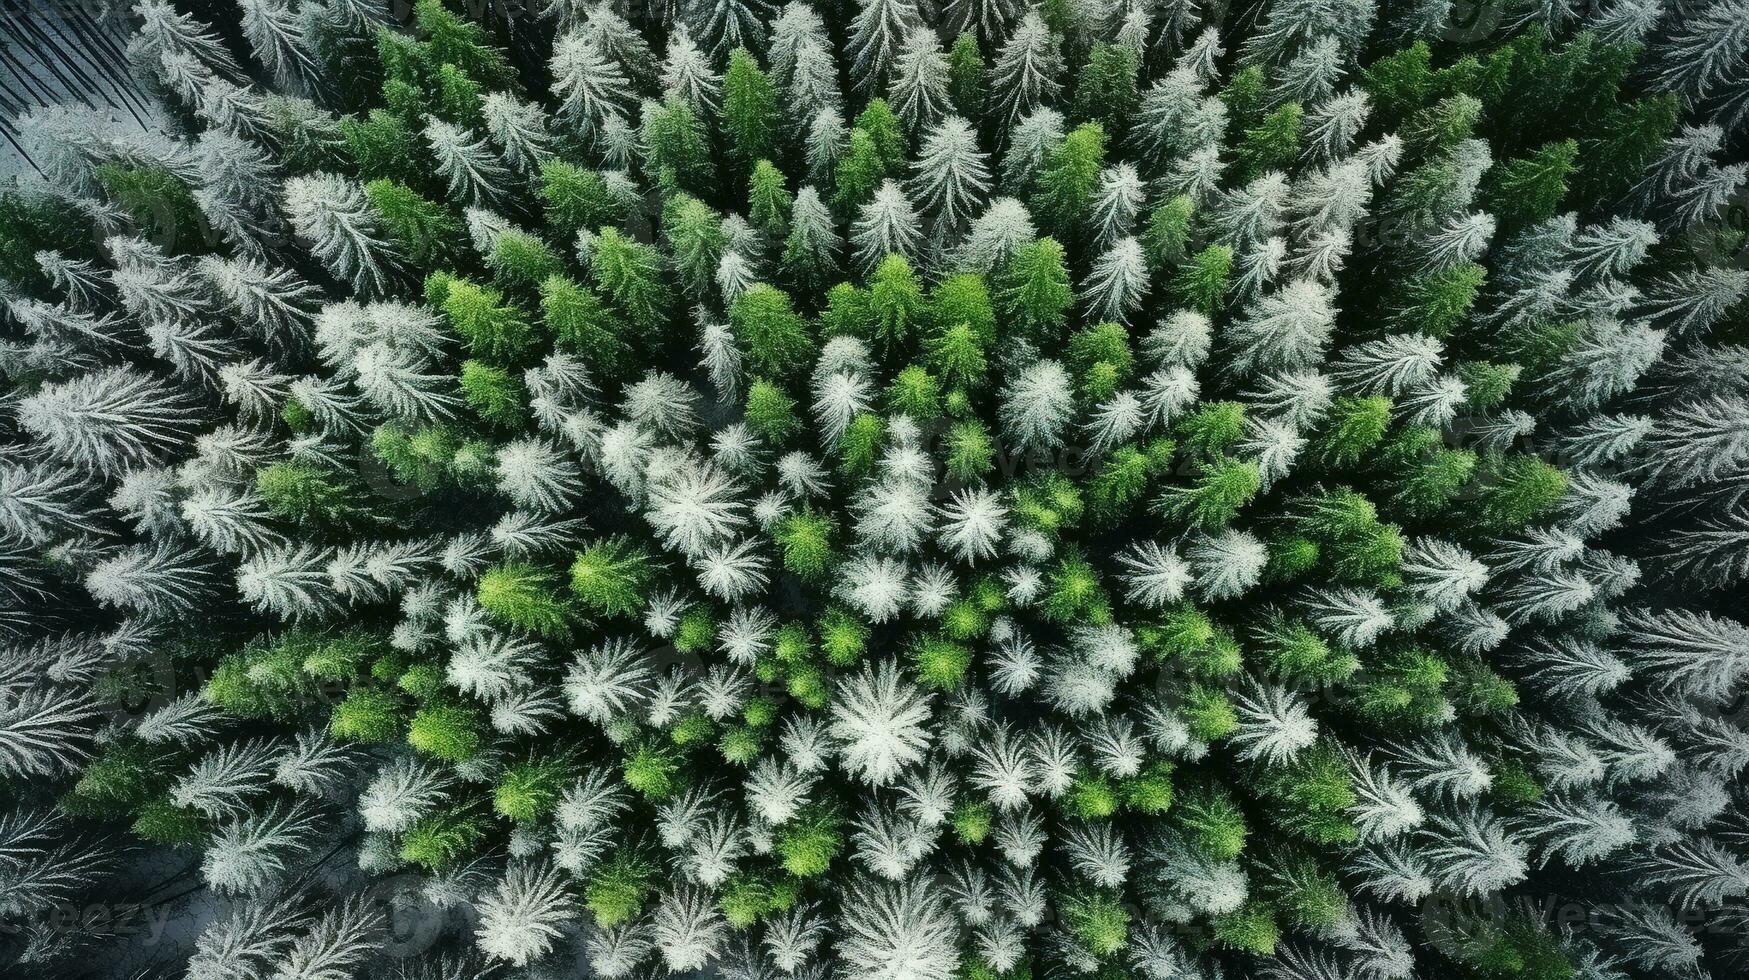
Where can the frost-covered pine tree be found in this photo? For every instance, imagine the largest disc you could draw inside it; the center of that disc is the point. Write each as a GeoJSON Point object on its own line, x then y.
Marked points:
{"type": "Point", "coordinates": [950, 177]}
{"type": "Point", "coordinates": [1289, 328]}
{"type": "Point", "coordinates": [343, 230]}
{"type": "Point", "coordinates": [465, 160]}
{"type": "Point", "coordinates": [1117, 283]}
{"type": "Point", "coordinates": [1037, 407]}
{"type": "Point", "coordinates": [109, 421]}
{"type": "Point", "coordinates": [886, 225]}
{"type": "Point", "coordinates": [521, 918]}
{"type": "Point", "coordinates": [878, 33]}
{"type": "Point", "coordinates": [878, 726]}
{"type": "Point", "coordinates": [591, 86]}
{"type": "Point", "coordinates": [1026, 70]}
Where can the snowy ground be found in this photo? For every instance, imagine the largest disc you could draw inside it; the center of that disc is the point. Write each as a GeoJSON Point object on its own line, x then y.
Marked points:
{"type": "Point", "coordinates": [66, 51]}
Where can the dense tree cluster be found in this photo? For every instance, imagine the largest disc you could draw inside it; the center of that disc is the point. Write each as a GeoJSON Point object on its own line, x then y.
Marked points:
{"type": "Point", "coordinates": [892, 490]}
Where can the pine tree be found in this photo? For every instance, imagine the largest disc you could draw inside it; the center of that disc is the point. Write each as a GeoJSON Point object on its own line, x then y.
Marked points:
{"type": "Point", "coordinates": [1697, 57]}
{"type": "Point", "coordinates": [474, 173]}
{"type": "Point", "coordinates": [777, 339]}
{"type": "Point", "coordinates": [590, 85]}
{"type": "Point", "coordinates": [950, 177]}
{"type": "Point", "coordinates": [109, 421]}
{"type": "Point", "coordinates": [965, 76]}
{"type": "Point", "coordinates": [878, 724]}
{"type": "Point", "coordinates": [629, 273]}
{"type": "Point", "coordinates": [994, 237]}
{"type": "Point", "coordinates": [877, 34]}
{"type": "Point", "coordinates": [345, 232]}
{"type": "Point", "coordinates": [749, 114]}
{"type": "Point", "coordinates": [1037, 407]}
{"type": "Point", "coordinates": [988, 21]}
{"type": "Point", "coordinates": [1117, 283]}
{"type": "Point", "coordinates": [1530, 189]}
{"type": "Point", "coordinates": [726, 24]}
{"type": "Point", "coordinates": [1068, 181]}
{"type": "Point", "coordinates": [1027, 69]}
{"type": "Point", "coordinates": [519, 129]}
{"type": "Point", "coordinates": [278, 39]}
{"type": "Point", "coordinates": [1035, 291]}
{"type": "Point", "coordinates": [687, 75]}
{"type": "Point", "coordinates": [695, 238]}
{"type": "Point", "coordinates": [919, 90]}
{"type": "Point", "coordinates": [796, 26]}
{"type": "Point", "coordinates": [886, 225]}
{"type": "Point", "coordinates": [521, 918]}
{"type": "Point", "coordinates": [768, 200]}
{"type": "Point", "coordinates": [1117, 204]}
{"type": "Point", "coordinates": [812, 248]}
{"type": "Point", "coordinates": [676, 152]}
{"type": "Point", "coordinates": [1105, 92]}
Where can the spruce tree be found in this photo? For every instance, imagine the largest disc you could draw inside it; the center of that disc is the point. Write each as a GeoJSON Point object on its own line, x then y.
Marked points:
{"type": "Point", "coordinates": [1065, 186]}
{"type": "Point", "coordinates": [750, 114]}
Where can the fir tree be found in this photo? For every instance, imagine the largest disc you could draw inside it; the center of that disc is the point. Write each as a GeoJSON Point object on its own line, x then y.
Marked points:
{"type": "Point", "coordinates": [1105, 92]}
{"type": "Point", "coordinates": [919, 91]}
{"type": "Point", "coordinates": [1027, 69]}
{"type": "Point", "coordinates": [1035, 292]}
{"type": "Point", "coordinates": [591, 87]}
{"type": "Point", "coordinates": [749, 116]}
{"type": "Point", "coordinates": [676, 153]}
{"type": "Point", "coordinates": [343, 230]}
{"type": "Point", "coordinates": [1066, 184]}
{"type": "Point", "coordinates": [950, 176]}
{"type": "Point", "coordinates": [877, 34]}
